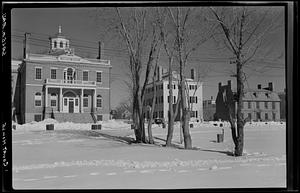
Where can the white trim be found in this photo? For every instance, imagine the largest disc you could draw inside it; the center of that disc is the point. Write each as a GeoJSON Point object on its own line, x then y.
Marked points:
{"type": "Point", "coordinates": [68, 86]}
{"type": "Point", "coordinates": [34, 85]}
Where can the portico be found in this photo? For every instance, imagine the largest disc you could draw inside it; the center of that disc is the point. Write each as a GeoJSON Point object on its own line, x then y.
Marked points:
{"type": "Point", "coordinates": [76, 97]}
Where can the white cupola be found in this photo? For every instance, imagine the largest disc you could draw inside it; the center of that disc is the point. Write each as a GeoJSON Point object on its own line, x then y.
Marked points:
{"type": "Point", "coordinates": [59, 42]}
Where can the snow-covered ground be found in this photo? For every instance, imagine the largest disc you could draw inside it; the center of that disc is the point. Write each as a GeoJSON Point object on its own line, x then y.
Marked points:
{"type": "Point", "coordinates": [74, 156]}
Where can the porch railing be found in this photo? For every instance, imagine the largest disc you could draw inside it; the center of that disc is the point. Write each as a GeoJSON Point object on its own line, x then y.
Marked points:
{"type": "Point", "coordinates": [70, 82]}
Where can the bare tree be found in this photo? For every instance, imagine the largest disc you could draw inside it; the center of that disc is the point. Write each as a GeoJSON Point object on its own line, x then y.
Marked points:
{"type": "Point", "coordinates": [182, 21]}
{"type": "Point", "coordinates": [169, 49]}
{"type": "Point", "coordinates": [123, 107]}
{"type": "Point", "coordinates": [244, 30]}
{"type": "Point", "coordinates": [135, 34]}
{"type": "Point", "coordinates": [152, 108]}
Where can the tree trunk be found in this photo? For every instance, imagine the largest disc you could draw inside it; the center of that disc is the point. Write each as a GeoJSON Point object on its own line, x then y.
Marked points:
{"type": "Point", "coordinates": [185, 118]}
{"type": "Point", "coordinates": [150, 137]}
{"type": "Point", "coordinates": [240, 122]}
{"type": "Point", "coordinates": [171, 113]}
{"type": "Point", "coordinates": [152, 108]}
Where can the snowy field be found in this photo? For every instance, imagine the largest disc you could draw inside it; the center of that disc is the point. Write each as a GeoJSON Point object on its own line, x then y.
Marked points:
{"type": "Point", "coordinates": [75, 157]}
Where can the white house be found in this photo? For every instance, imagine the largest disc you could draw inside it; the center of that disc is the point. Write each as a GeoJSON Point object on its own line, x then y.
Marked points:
{"type": "Point", "coordinates": [194, 89]}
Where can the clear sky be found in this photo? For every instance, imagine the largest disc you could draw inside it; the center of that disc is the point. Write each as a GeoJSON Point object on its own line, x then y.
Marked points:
{"type": "Point", "coordinates": [85, 30]}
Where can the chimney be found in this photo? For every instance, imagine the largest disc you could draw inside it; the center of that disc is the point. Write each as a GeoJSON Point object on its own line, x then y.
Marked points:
{"type": "Point", "coordinates": [99, 50]}
{"type": "Point", "coordinates": [229, 84]}
{"type": "Point", "coordinates": [220, 85]}
{"type": "Point", "coordinates": [192, 74]}
{"type": "Point", "coordinates": [159, 73]}
{"type": "Point", "coordinates": [26, 45]}
{"type": "Point", "coordinates": [270, 86]}
{"type": "Point", "coordinates": [259, 86]}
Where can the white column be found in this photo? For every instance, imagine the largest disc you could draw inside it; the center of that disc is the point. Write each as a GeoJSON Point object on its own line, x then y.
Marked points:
{"type": "Point", "coordinates": [46, 96]}
{"type": "Point", "coordinates": [81, 101]}
{"type": "Point", "coordinates": [60, 100]}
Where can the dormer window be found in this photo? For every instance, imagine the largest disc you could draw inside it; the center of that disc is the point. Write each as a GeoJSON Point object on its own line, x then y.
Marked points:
{"type": "Point", "coordinates": [61, 44]}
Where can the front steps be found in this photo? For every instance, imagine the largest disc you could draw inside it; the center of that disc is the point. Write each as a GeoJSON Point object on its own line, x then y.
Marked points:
{"type": "Point", "coordinates": [74, 117]}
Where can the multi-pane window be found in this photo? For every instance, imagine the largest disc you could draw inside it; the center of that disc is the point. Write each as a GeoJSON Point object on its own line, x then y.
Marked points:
{"type": "Point", "coordinates": [99, 76]}
{"type": "Point", "coordinates": [193, 99]}
{"type": "Point", "coordinates": [161, 114]}
{"type": "Point", "coordinates": [274, 116]}
{"type": "Point", "coordinates": [85, 101]}
{"type": "Point", "coordinates": [38, 117]}
{"type": "Point", "coordinates": [38, 99]}
{"type": "Point", "coordinates": [266, 116]}
{"type": "Point", "coordinates": [53, 74]}
{"type": "Point", "coordinates": [266, 105]}
{"type": "Point", "coordinates": [55, 44]}
{"type": "Point", "coordinates": [257, 105]}
{"type": "Point", "coordinates": [38, 73]}
{"type": "Point", "coordinates": [99, 101]}
{"type": "Point", "coordinates": [53, 100]}
{"type": "Point", "coordinates": [273, 105]}
{"type": "Point", "coordinates": [249, 105]}
{"type": "Point", "coordinates": [65, 101]}
{"type": "Point", "coordinates": [249, 116]}
{"type": "Point", "coordinates": [258, 116]}
{"type": "Point", "coordinates": [85, 75]}
{"type": "Point", "coordinates": [99, 117]}
{"type": "Point", "coordinates": [61, 44]}
{"type": "Point", "coordinates": [194, 114]}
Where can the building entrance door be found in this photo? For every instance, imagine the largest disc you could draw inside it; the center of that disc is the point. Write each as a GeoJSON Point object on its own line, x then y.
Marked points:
{"type": "Point", "coordinates": [71, 105]}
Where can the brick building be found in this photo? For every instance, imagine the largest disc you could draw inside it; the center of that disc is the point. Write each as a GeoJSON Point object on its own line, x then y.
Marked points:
{"type": "Point", "coordinates": [282, 96]}
{"type": "Point", "coordinates": [261, 104]}
{"type": "Point", "coordinates": [209, 109]}
{"type": "Point", "coordinates": [62, 85]}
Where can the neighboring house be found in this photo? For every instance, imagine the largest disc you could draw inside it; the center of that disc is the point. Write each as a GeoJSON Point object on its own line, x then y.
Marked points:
{"type": "Point", "coordinates": [194, 89]}
{"type": "Point", "coordinates": [62, 85]}
{"type": "Point", "coordinates": [14, 86]}
{"type": "Point", "coordinates": [282, 96]}
{"type": "Point", "coordinates": [261, 104]}
{"type": "Point", "coordinates": [209, 109]}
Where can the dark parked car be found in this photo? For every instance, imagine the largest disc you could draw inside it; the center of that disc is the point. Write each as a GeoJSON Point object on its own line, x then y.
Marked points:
{"type": "Point", "coordinates": [158, 121]}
